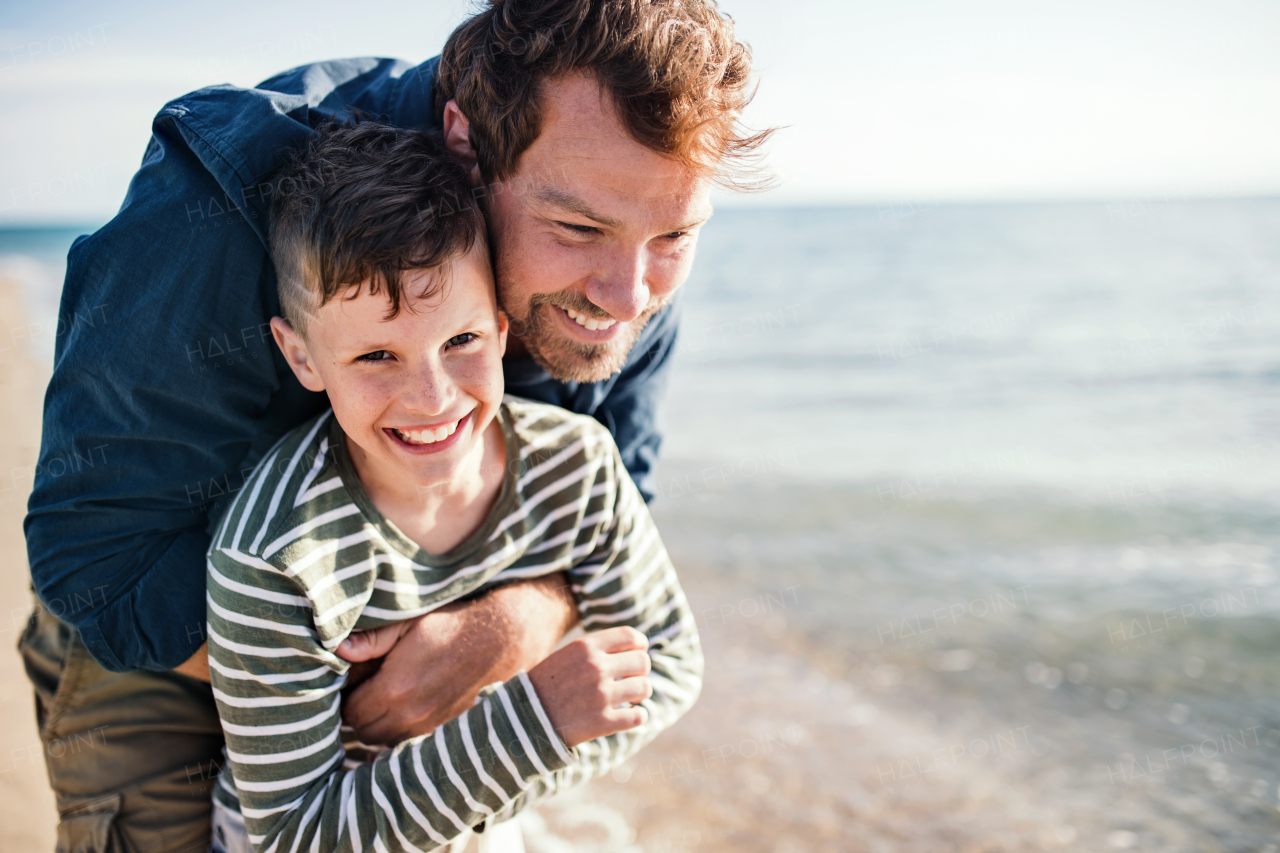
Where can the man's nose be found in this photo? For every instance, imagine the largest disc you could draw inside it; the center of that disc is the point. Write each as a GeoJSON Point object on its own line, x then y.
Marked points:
{"type": "Point", "coordinates": [621, 287]}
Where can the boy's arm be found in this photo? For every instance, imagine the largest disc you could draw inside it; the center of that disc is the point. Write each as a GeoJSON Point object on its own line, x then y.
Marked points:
{"type": "Point", "coordinates": [277, 688]}
{"type": "Point", "coordinates": [628, 579]}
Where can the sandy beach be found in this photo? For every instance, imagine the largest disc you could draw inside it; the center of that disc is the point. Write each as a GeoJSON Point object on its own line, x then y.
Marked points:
{"type": "Point", "coordinates": [27, 813]}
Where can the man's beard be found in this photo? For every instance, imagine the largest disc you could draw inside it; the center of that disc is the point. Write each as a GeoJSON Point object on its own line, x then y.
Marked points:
{"type": "Point", "coordinates": [565, 359]}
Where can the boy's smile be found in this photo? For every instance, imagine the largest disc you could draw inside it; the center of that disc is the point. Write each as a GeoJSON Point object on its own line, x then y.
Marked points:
{"type": "Point", "coordinates": [427, 439]}
{"type": "Point", "coordinates": [414, 393]}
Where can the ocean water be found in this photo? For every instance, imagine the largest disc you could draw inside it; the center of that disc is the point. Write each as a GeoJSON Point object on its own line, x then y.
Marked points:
{"type": "Point", "coordinates": [977, 510]}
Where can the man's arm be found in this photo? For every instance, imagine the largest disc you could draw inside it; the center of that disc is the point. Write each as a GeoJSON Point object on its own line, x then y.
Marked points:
{"type": "Point", "coordinates": [156, 403]}
{"type": "Point", "coordinates": [628, 580]}
{"type": "Point", "coordinates": [466, 646]}
{"type": "Point", "coordinates": [436, 665]}
{"type": "Point", "coordinates": [167, 386]}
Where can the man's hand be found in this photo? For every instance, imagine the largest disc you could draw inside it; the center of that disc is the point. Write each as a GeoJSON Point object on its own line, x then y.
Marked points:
{"type": "Point", "coordinates": [435, 665]}
{"type": "Point", "coordinates": [590, 688]}
{"type": "Point", "coordinates": [196, 666]}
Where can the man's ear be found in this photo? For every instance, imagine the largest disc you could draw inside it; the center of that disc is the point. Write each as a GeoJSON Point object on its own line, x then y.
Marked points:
{"type": "Point", "coordinates": [295, 352]}
{"type": "Point", "coordinates": [504, 323]}
{"type": "Point", "coordinates": [457, 138]}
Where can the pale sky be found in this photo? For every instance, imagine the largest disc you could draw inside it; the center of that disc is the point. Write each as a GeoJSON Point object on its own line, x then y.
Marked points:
{"type": "Point", "coordinates": [902, 101]}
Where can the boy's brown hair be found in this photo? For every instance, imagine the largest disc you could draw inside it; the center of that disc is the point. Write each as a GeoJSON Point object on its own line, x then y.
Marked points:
{"type": "Point", "coordinates": [678, 78]}
{"type": "Point", "coordinates": [365, 202]}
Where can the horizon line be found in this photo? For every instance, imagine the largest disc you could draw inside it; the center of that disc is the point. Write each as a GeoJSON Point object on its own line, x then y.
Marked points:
{"type": "Point", "coordinates": [725, 203]}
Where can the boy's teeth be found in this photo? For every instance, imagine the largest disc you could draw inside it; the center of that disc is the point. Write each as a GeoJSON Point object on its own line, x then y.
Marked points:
{"type": "Point", "coordinates": [588, 322]}
{"type": "Point", "coordinates": [428, 436]}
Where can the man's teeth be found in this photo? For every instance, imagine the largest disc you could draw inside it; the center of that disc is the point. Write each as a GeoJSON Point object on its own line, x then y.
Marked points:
{"type": "Point", "coordinates": [584, 320]}
{"type": "Point", "coordinates": [427, 436]}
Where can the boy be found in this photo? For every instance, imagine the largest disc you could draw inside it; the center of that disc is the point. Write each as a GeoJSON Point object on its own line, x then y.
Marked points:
{"type": "Point", "coordinates": [421, 485]}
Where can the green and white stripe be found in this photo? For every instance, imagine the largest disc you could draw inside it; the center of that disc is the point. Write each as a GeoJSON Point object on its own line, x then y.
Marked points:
{"type": "Point", "coordinates": [303, 558]}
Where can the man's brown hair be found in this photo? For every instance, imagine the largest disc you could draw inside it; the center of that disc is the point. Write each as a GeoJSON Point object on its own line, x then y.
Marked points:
{"type": "Point", "coordinates": [678, 78]}
{"type": "Point", "coordinates": [366, 202]}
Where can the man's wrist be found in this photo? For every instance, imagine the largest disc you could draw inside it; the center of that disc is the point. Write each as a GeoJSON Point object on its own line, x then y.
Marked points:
{"type": "Point", "coordinates": [549, 601]}
{"type": "Point", "coordinates": [534, 614]}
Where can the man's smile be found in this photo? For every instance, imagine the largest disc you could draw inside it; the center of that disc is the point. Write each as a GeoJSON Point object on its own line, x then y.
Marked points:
{"type": "Point", "coordinates": [589, 322]}
{"type": "Point", "coordinates": [585, 328]}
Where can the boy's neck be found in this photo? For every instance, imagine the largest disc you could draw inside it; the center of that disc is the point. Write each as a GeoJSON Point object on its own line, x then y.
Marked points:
{"type": "Point", "coordinates": [439, 516]}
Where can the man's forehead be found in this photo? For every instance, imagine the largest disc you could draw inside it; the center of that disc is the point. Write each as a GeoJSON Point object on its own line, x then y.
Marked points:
{"type": "Point", "coordinates": [585, 156]}
{"type": "Point", "coordinates": [617, 207]}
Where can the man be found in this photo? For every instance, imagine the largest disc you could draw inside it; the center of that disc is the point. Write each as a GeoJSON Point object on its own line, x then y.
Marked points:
{"type": "Point", "coordinates": [593, 132]}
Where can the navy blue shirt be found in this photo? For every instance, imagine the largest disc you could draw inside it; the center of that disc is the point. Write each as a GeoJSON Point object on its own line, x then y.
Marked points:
{"type": "Point", "coordinates": [167, 387]}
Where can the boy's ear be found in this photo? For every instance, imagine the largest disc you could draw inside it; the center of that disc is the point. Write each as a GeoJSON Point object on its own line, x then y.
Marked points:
{"type": "Point", "coordinates": [295, 352]}
{"type": "Point", "coordinates": [504, 323]}
{"type": "Point", "coordinates": [457, 138]}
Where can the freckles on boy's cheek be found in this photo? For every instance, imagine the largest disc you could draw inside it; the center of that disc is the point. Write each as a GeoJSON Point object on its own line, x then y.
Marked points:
{"type": "Point", "coordinates": [355, 400]}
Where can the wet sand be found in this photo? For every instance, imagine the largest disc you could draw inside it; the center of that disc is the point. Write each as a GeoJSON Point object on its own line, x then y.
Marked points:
{"type": "Point", "coordinates": [783, 755]}
{"type": "Point", "coordinates": [862, 697]}
{"type": "Point", "coordinates": [27, 812]}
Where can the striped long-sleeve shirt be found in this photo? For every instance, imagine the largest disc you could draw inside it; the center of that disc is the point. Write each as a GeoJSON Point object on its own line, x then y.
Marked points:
{"type": "Point", "coordinates": [303, 558]}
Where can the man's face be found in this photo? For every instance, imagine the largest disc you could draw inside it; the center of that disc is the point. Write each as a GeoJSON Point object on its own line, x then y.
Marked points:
{"type": "Point", "coordinates": [413, 394]}
{"type": "Point", "coordinates": [592, 235]}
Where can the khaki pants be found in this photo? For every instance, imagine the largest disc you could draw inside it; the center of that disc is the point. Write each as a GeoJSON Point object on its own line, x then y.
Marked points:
{"type": "Point", "coordinates": [132, 757]}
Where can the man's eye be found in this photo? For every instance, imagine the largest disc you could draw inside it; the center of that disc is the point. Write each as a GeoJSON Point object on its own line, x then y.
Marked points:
{"type": "Point", "coordinates": [462, 340]}
{"type": "Point", "coordinates": [578, 229]}
{"type": "Point", "coordinates": [379, 355]}
{"type": "Point", "coordinates": [676, 235]}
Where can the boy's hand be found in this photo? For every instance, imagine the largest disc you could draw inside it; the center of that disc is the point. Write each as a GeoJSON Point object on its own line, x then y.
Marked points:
{"type": "Point", "coordinates": [582, 685]}
{"type": "Point", "coordinates": [435, 665]}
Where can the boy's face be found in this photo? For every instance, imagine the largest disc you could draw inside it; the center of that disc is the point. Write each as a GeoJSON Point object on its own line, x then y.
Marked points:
{"type": "Point", "coordinates": [414, 394]}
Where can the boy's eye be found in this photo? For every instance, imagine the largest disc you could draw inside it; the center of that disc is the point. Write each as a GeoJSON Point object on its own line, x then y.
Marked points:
{"type": "Point", "coordinates": [378, 355]}
{"type": "Point", "coordinates": [462, 340]}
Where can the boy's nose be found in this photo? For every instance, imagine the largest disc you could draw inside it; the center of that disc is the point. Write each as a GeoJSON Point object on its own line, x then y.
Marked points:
{"type": "Point", "coordinates": [430, 392]}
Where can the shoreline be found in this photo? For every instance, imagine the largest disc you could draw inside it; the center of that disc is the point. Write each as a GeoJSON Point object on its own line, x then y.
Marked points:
{"type": "Point", "coordinates": [28, 816]}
